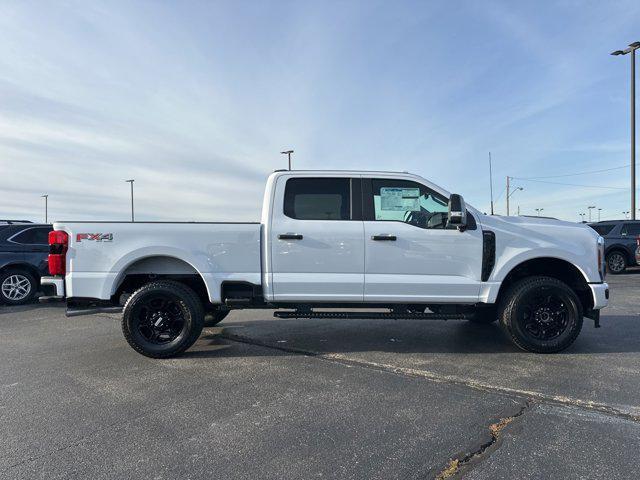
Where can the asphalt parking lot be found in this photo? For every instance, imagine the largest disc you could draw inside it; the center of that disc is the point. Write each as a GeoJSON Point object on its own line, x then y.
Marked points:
{"type": "Point", "coordinates": [263, 398]}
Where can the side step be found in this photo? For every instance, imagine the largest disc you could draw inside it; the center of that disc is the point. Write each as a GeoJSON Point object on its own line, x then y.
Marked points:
{"type": "Point", "coordinates": [372, 315]}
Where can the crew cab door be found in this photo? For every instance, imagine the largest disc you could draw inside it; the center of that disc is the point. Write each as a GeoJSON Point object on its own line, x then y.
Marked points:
{"type": "Point", "coordinates": [317, 239]}
{"type": "Point", "coordinates": [411, 254]}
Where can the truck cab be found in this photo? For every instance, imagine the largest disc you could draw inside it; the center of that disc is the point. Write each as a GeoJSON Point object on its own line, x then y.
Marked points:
{"type": "Point", "coordinates": [344, 239]}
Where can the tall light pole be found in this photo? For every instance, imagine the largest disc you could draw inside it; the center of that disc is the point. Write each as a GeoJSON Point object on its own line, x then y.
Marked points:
{"type": "Point", "coordinates": [591, 207]}
{"type": "Point", "coordinates": [288, 154]}
{"type": "Point", "coordinates": [509, 193]}
{"type": "Point", "coordinates": [625, 214]}
{"type": "Point", "coordinates": [46, 208]}
{"type": "Point", "coordinates": [599, 210]}
{"type": "Point", "coordinates": [538, 210]}
{"type": "Point", "coordinates": [131, 182]}
{"type": "Point", "coordinates": [582, 217]}
{"type": "Point", "coordinates": [632, 50]}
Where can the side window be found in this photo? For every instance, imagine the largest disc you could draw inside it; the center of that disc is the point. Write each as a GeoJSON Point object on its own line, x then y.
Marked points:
{"type": "Point", "coordinates": [408, 202]}
{"type": "Point", "coordinates": [631, 229]}
{"type": "Point", "coordinates": [32, 236]}
{"type": "Point", "coordinates": [318, 198]}
{"type": "Point", "coordinates": [603, 229]}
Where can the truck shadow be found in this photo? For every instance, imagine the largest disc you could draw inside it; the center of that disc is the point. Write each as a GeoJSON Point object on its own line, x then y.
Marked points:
{"type": "Point", "coordinates": [619, 334]}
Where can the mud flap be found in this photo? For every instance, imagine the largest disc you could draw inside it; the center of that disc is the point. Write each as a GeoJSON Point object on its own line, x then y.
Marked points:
{"type": "Point", "coordinates": [595, 316]}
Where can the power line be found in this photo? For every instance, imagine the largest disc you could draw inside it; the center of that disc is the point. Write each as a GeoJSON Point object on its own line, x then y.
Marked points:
{"type": "Point", "coordinates": [576, 174]}
{"type": "Point", "coordinates": [569, 184]}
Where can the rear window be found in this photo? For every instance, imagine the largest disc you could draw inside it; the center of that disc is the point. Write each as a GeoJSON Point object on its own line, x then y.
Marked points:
{"type": "Point", "coordinates": [33, 236]}
{"type": "Point", "coordinates": [603, 229]}
{"type": "Point", "coordinates": [631, 229]}
{"type": "Point", "coordinates": [318, 198]}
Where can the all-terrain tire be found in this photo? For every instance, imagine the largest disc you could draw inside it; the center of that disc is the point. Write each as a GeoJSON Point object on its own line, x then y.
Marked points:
{"type": "Point", "coordinates": [532, 305]}
{"type": "Point", "coordinates": [186, 307]}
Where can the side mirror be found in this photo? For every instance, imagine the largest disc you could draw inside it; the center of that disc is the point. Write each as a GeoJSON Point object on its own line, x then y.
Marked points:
{"type": "Point", "coordinates": [457, 212]}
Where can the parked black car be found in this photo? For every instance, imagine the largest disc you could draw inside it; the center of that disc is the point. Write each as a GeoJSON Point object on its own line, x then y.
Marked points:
{"type": "Point", "coordinates": [24, 249]}
{"type": "Point", "coordinates": [620, 243]}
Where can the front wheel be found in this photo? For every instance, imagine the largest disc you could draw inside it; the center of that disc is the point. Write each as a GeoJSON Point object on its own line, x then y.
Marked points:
{"type": "Point", "coordinates": [541, 314]}
{"type": "Point", "coordinates": [162, 319]}
{"type": "Point", "coordinates": [616, 263]}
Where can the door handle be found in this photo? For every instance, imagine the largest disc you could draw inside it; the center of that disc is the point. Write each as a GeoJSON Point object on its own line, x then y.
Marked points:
{"type": "Point", "coordinates": [391, 238]}
{"type": "Point", "coordinates": [290, 236]}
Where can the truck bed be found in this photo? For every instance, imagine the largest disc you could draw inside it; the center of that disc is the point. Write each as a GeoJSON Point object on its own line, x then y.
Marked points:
{"type": "Point", "coordinates": [101, 254]}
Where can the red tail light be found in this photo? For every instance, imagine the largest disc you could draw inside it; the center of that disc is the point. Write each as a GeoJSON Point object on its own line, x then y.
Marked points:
{"type": "Point", "coordinates": [58, 243]}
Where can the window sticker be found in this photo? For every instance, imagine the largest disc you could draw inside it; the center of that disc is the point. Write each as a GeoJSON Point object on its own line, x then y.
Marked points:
{"type": "Point", "coordinates": [400, 199]}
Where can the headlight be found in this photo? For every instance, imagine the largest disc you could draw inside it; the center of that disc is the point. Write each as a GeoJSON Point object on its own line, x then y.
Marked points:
{"type": "Point", "coordinates": [601, 265]}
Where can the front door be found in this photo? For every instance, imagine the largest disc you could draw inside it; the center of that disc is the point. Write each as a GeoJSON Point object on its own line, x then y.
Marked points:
{"type": "Point", "coordinates": [411, 254]}
{"type": "Point", "coordinates": [317, 240]}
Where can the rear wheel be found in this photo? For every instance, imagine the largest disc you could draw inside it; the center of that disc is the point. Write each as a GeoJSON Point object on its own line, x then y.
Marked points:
{"type": "Point", "coordinates": [162, 319]}
{"type": "Point", "coordinates": [616, 262]}
{"type": "Point", "coordinates": [541, 314]}
{"type": "Point", "coordinates": [17, 287]}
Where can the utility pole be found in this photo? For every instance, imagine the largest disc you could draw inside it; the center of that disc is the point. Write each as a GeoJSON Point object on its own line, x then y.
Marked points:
{"type": "Point", "coordinates": [632, 50]}
{"type": "Point", "coordinates": [288, 154]}
{"type": "Point", "coordinates": [491, 182]}
{"type": "Point", "coordinates": [599, 210]}
{"type": "Point", "coordinates": [590, 208]}
{"type": "Point", "coordinates": [131, 182]}
{"type": "Point", "coordinates": [507, 195]}
{"type": "Point", "coordinates": [46, 208]}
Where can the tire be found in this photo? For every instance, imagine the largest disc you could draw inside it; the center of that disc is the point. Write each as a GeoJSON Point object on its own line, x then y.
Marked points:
{"type": "Point", "coordinates": [162, 319]}
{"type": "Point", "coordinates": [484, 315]}
{"type": "Point", "coordinates": [17, 287]}
{"type": "Point", "coordinates": [541, 314]}
{"type": "Point", "coordinates": [215, 317]}
{"type": "Point", "coordinates": [616, 262]}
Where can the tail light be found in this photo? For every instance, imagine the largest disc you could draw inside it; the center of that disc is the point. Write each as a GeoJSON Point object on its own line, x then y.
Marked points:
{"type": "Point", "coordinates": [601, 265]}
{"type": "Point", "coordinates": [58, 243]}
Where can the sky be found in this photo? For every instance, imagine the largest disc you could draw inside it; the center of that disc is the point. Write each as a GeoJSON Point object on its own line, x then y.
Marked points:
{"type": "Point", "coordinates": [195, 100]}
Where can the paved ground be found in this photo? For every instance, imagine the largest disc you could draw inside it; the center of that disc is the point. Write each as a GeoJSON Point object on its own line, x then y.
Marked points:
{"type": "Point", "coordinates": [260, 398]}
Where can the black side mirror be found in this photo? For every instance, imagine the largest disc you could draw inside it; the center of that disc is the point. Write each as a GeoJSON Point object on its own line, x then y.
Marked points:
{"type": "Point", "coordinates": [457, 212]}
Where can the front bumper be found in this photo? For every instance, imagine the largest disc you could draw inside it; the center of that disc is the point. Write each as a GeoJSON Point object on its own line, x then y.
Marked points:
{"type": "Point", "coordinates": [600, 293]}
{"type": "Point", "coordinates": [52, 287]}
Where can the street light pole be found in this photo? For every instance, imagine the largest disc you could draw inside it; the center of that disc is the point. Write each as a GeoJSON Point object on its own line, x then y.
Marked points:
{"type": "Point", "coordinates": [46, 208]}
{"type": "Point", "coordinates": [510, 193]}
{"type": "Point", "coordinates": [288, 154]}
{"type": "Point", "coordinates": [632, 50]}
{"type": "Point", "coordinates": [538, 210]}
{"type": "Point", "coordinates": [599, 210]}
{"type": "Point", "coordinates": [131, 182]}
{"type": "Point", "coordinates": [590, 208]}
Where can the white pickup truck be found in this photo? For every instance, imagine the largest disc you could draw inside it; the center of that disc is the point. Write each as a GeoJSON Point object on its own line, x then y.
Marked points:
{"type": "Point", "coordinates": [347, 240]}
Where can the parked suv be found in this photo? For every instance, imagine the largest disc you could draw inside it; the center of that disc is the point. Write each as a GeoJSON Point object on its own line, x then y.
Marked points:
{"type": "Point", "coordinates": [619, 243]}
{"type": "Point", "coordinates": [23, 260]}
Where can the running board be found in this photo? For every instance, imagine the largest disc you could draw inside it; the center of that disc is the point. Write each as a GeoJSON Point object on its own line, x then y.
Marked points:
{"type": "Point", "coordinates": [372, 315]}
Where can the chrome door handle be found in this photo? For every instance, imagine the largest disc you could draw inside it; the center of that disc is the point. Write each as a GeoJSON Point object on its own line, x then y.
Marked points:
{"type": "Point", "coordinates": [290, 236]}
{"type": "Point", "coordinates": [389, 238]}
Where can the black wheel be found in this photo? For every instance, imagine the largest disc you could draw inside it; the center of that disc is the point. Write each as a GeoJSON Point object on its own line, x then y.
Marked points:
{"type": "Point", "coordinates": [162, 319]}
{"type": "Point", "coordinates": [484, 315]}
{"type": "Point", "coordinates": [17, 287]}
{"type": "Point", "coordinates": [616, 262]}
{"type": "Point", "coordinates": [214, 317]}
{"type": "Point", "coordinates": [541, 314]}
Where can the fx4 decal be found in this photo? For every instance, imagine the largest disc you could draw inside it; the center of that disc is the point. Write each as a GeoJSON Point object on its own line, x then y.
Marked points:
{"type": "Point", "coordinates": [96, 237]}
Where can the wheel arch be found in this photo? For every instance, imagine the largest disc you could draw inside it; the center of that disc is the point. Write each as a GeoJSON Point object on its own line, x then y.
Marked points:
{"type": "Point", "coordinates": [554, 267]}
{"type": "Point", "coordinates": [22, 266]}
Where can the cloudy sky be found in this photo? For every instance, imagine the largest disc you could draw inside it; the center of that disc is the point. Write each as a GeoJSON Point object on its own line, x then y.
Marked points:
{"type": "Point", "coordinates": [195, 100]}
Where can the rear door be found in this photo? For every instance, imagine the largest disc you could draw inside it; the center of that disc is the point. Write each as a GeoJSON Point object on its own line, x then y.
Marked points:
{"type": "Point", "coordinates": [411, 254]}
{"type": "Point", "coordinates": [317, 239]}
{"type": "Point", "coordinates": [33, 242]}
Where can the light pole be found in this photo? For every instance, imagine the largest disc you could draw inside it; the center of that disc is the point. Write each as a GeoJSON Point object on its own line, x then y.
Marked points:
{"type": "Point", "coordinates": [632, 50]}
{"type": "Point", "coordinates": [590, 208]}
{"type": "Point", "coordinates": [509, 193]}
{"type": "Point", "coordinates": [46, 208]}
{"type": "Point", "coordinates": [599, 210]}
{"type": "Point", "coordinates": [582, 217]}
{"type": "Point", "coordinates": [288, 154]}
{"type": "Point", "coordinates": [625, 214]}
{"type": "Point", "coordinates": [538, 210]}
{"type": "Point", "coordinates": [131, 182]}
